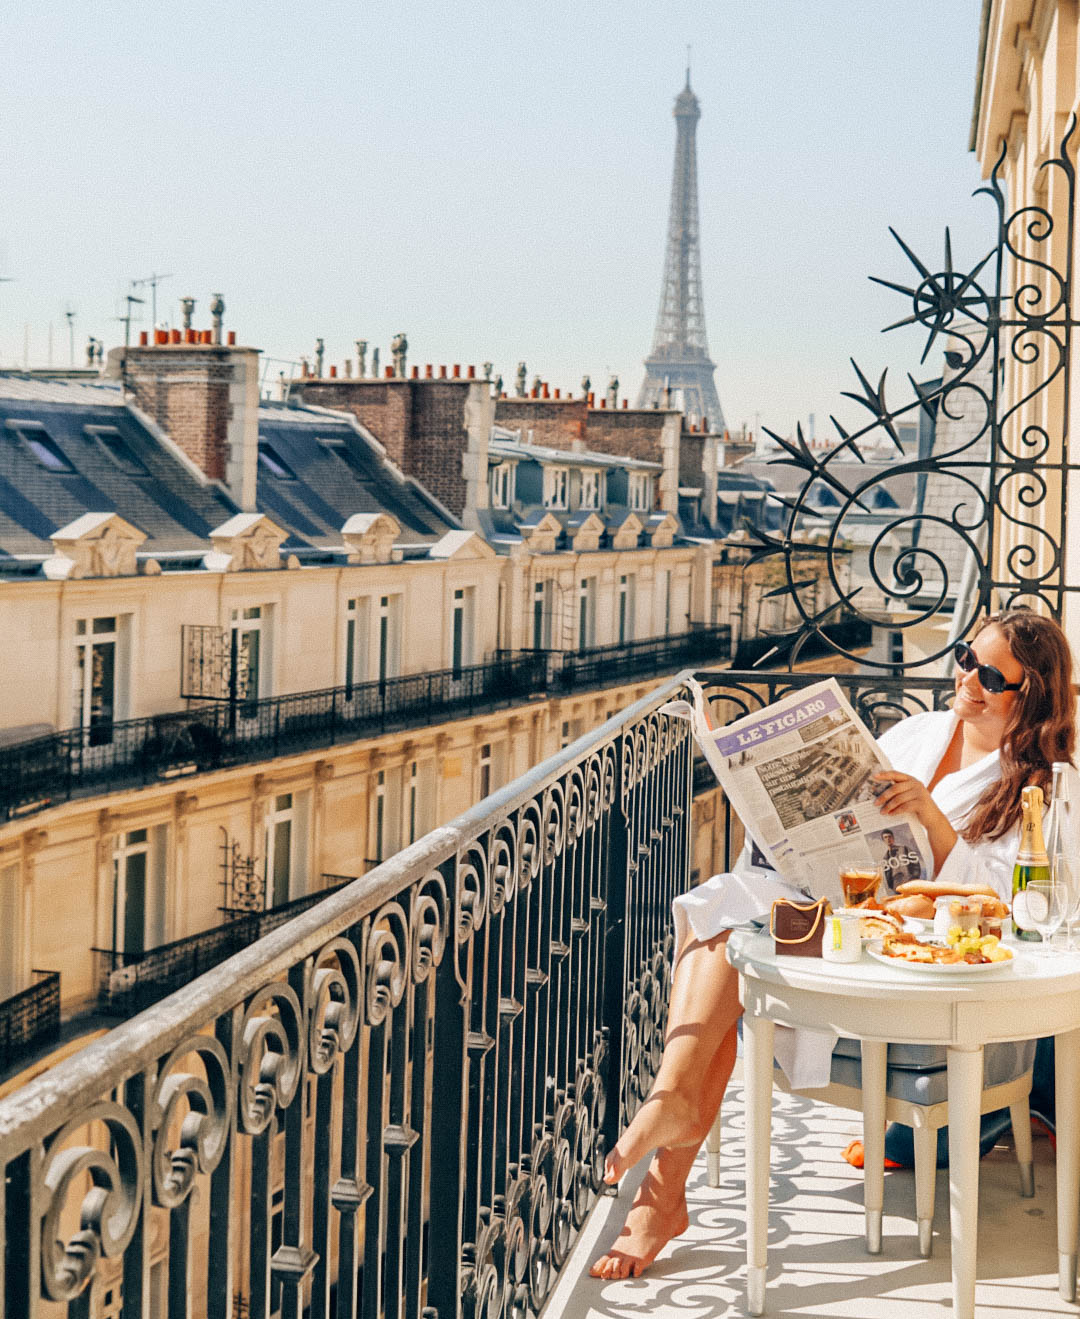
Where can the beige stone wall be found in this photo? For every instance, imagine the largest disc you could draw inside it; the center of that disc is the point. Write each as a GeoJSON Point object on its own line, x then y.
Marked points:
{"type": "Point", "coordinates": [1028, 86]}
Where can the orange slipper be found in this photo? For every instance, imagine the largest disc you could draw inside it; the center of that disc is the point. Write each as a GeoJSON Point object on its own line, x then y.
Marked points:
{"type": "Point", "coordinates": [855, 1156]}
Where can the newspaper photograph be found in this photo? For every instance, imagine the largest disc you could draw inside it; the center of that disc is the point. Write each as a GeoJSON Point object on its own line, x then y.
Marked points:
{"type": "Point", "coordinates": [799, 774]}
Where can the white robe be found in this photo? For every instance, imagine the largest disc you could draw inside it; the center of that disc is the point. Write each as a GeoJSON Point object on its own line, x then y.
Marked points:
{"type": "Point", "coordinates": [914, 746]}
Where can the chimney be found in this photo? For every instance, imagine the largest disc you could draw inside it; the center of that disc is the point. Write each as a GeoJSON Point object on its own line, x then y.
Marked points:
{"type": "Point", "coordinates": [361, 357]}
{"type": "Point", "coordinates": [187, 308]}
{"type": "Point", "coordinates": [217, 311]}
{"type": "Point", "coordinates": [333, 372]}
{"type": "Point", "coordinates": [399, 346]}
{"type": "Point", "coordinates": [206, 400]}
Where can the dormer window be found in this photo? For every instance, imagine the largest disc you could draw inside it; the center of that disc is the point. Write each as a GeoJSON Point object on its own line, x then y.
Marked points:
{"type": "Point", "coordinates": [118, 450]}
{"type": "Point", "coordinates": [591, 487]}
{"type": "Point", "coordinates": [501, 485]}
{"type": "Point", "coordinates": [555, 486]}
{"type": "Point", "coordinates": [48, 453]}
{"type": "Point", "coordinates": [640, 492]}
{"type": "Point", "coordinates": [274, 463]}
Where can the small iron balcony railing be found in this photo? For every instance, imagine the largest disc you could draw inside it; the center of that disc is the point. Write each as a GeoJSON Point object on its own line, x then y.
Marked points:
{"type": "Point", "coordinates": [129, 982]}
{"type": "Point", "coordinates": [47, 770]}
{"type": "Point", "coordinates": [30, 1018]}
{"type": "Point", "coordinates": [623, 661]}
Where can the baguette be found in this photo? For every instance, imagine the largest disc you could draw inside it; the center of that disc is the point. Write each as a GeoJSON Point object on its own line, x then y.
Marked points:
{"type": "Point", "coordinates": [932, 888]}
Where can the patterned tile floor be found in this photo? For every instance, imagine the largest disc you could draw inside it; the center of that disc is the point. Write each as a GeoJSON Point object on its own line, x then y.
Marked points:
{"type": "Point", "coordinates": [817, 1263]}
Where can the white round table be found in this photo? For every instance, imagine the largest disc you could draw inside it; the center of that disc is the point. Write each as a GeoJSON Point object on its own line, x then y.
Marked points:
{"type": "Point", "coordinates": [1036, 995]}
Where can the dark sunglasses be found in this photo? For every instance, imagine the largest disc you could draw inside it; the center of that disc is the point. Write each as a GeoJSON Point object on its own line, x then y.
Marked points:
{"type": "Point", "coordinates": [990, 679]}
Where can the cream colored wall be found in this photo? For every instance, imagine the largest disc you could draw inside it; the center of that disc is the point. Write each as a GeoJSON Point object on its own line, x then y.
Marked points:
{"type": "Point", "coordinates": [64, 854]}
{"type": "Point", "coordinates": [307, 608]}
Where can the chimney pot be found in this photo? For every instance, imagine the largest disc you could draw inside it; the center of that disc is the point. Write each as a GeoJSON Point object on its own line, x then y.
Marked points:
{"type": "Point", "coordinates": [624, 402]}
{"type": "Point", "coordinates": [429, 371]}
{"type": "Point", "coordinates": [590, 398]}
{"type": "Point", "coordinates": [208, 336]}
{"type": "Point", "coordinates": [161, 336]}
{"type": "Point", "coordinates": [534, 392]}
{"type": "Point", "coordinates": [603, 402]}
{"type": "Point", "coordinates": [442, 372]}
{"type": "Point", "coordinates": [558, 393]}
{"type": "Point", "coordinates": [389, 373]}
{"type": "Point", "coordinates": [457, 370]}
{"type": "Point", "coordinates": [232, 338]}
{"type": "Point", "coordinates": [174, 336]}
{"type": "Point", "coordinates": [472, 372]}
{"type": "Point", "coordinates": [144, 338]}
{"type": "Point", "coordinates": [415, 372]}
{"type": "Point", "coordinates": [333, 371]}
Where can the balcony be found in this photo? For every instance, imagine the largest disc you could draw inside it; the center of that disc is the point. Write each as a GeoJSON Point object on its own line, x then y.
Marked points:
{"type": "Point", "coordinates": [61, 766]}
{"type": "Point", "coordinates": [30, 1018]}
{"type": "Point", "coordinates": [468, 1026]}
{"type": "Point", "coordinates": [606, 666]}
{"type": "Point", "coordinates": [129, 982]}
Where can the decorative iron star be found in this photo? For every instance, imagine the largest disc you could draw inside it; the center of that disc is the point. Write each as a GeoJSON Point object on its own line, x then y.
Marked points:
{"type": "Point", "coordinates": [940, 297]}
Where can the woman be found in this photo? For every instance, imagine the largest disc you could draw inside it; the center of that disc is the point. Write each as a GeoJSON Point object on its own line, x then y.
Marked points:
{"type": "Point", "coordinates": [961, 776]}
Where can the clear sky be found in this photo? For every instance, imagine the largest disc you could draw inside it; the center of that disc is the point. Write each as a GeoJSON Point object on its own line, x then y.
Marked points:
{"type": "Point", "coordinates": [490, 176]}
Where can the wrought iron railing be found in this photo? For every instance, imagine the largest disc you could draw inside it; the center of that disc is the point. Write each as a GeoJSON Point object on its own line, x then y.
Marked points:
{"type": "Point", "coordinates": [129, 982]}
{"type": "Point", "coordinates": [597, 666]}
{"type": "Point", "coordinates": [47, 770]}
{"type": "Point", "coordinates": [29, 1018]}
{"type": "Point", "coordinates": [443, 1049]}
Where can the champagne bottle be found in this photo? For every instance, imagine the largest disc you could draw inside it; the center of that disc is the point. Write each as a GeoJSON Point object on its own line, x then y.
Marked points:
{"type": "Point", "coordinates": [1031, 861]}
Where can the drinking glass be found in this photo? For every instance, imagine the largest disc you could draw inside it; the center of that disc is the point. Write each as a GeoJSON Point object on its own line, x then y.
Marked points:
{"type": "Point", "coordinates": [1067, 873]}
{"type": "Point", "coordinates": [860, 886]}
{"type": "Point", "coordinates": [1047, 902]}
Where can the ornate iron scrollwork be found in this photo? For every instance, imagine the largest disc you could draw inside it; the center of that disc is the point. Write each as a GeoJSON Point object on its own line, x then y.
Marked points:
{"type": "Point", "coordinates": [1003, 525]}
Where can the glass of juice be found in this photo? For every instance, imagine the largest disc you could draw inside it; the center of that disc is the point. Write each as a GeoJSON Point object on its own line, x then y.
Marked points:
{"type": "Point", "coordinates": [860, 886]}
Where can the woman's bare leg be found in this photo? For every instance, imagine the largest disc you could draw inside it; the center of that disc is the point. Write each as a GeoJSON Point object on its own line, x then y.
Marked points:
{"type": "Point", "coordinates": [704, 1007]}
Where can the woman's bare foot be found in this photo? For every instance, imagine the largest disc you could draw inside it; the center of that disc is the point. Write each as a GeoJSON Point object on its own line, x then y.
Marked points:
{"type": "Point", "coordinates": [650, 1225]}
{"type": "Point", "coordinates": [666, 1119]}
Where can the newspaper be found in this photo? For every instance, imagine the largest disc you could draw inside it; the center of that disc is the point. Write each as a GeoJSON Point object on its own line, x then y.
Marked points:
{"type": "Point", "coordinates": [799, 774]}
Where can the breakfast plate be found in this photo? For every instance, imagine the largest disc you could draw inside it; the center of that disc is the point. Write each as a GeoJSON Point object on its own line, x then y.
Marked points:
{"type": "Point", "coordinates": [941, 968]}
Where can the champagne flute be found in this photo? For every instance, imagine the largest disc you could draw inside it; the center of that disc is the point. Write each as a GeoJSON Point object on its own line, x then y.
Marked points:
{"type": "Point", "coordinates": [1046, 905]}
{"type": "Point", "coordinates": [1067, 873]}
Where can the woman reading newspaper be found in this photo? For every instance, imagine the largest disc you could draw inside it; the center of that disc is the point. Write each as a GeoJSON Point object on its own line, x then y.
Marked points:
{"type": "Point", "coordinates": [959, 773]}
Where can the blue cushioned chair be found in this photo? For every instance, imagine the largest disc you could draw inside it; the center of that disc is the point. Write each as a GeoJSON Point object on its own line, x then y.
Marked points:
{"type": "Point", "coordinates": [916, 1094]}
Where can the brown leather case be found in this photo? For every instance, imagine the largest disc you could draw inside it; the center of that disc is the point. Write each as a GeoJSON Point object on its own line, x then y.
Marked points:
{"type": "Point", "coordinates": [798, 930]}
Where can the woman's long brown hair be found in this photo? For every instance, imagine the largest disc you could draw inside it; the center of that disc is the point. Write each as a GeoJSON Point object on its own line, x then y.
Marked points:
{"type": "Point", "coordinates": [1042, 726]}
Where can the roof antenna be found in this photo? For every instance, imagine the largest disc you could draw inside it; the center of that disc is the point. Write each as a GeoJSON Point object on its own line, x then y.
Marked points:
{"type": "Point", "coordinates": [688, 49]}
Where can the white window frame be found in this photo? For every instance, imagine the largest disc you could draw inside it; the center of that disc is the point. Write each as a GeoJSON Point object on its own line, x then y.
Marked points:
{"type": "Point", "coordinates": [640, 486]}
{"type": "Point", "coordinates": [462, 628]}
{"type": "Point", "coordinates": [501, 483]}
{"type": "Point", "coordinates": [253, 621]}
{"type": "Point", "coordinates": [624, 608]}
{"type": "Point", "coordinates": [592, 481]}
{"type": "Point", "coordinates": [285, 808]}
{"type": "Point", "coordinates": [148, 843]}
{"type": "Point", "coordinates": [91, 632]}
{"type": "Point", "coordinates": [485, 771]}
{"type": "Point", "coordinates": [388, 636]}
{"type": "Point", "coordinates": [357, 640]}
{"type": "Point", "coordinates": [556, 487]}
{"type": "Point", "coordinates": [541, 636]}
{"type": "Point", "coordinates": [586, 613]}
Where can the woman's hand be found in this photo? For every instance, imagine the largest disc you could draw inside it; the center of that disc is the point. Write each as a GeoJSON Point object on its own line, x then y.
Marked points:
{"type": "Point", "coordinates": [905, 794]}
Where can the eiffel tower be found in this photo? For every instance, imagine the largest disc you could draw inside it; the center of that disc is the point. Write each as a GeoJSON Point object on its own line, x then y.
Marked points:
{"type": "Point", "coordinates": [678, 372]}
